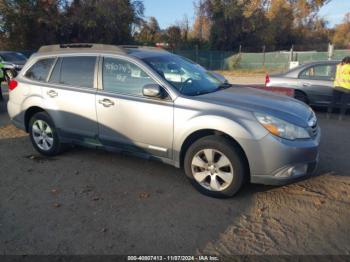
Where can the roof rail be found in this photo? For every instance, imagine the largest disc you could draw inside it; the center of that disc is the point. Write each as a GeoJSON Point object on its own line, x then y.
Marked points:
{"type": "Point", "coordinates": [151, 48]}
{"type": "Point", "coordinates": [86, 46]}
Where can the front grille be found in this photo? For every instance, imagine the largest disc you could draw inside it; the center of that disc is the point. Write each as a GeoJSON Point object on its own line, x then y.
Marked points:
{"type": "Point", "coordinates": [314, 130]}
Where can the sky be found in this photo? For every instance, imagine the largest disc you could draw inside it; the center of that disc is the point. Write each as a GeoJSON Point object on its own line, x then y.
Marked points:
{"type": "Point", "coordinates": [334, 11]}
{"type": "Point", "coordinates": [168, 12]}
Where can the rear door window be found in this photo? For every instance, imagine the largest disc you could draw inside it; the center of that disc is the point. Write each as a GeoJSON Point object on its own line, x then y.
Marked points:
{"type": "Point", "coordinates": [319, 72]}
{"type": "Point", "coordinates": [40, 70]}
{"type": "Point", "coordinates": [78, 71]}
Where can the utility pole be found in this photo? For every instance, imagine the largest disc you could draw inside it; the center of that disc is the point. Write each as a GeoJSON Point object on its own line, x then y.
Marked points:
{"type": "Point", "coordinates": [291, 55]}
{"type": "Point", "coordinates": [264, 55]}
{"type": "Point", "coordinates": [330, 51]}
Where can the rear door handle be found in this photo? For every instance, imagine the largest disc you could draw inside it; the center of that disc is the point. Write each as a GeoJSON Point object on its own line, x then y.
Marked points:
{"type": "Point", "coordinates": [52, 93]}
{"type": "Point", "coordinates": [106, 102]}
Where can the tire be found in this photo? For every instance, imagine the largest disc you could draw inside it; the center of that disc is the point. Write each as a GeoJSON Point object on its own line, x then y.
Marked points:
{"type": "Point", "coordinates": [43, 135]}
{"type": "Point", "coordinates": [301, 97]}
{"type": "Point", "coordinates": [227, 159]}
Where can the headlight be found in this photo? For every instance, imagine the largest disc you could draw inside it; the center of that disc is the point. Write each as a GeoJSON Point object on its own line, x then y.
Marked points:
{"type": "Point", "coordinates": [281, 128]}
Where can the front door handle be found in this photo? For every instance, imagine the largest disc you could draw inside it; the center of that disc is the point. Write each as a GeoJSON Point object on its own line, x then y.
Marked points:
{"type": "Point", "coordinates": [307, 84]}
{"type": "Point", "coordinates": [106, 102]}
{"type": "Point", "coordinates": [52, 93]}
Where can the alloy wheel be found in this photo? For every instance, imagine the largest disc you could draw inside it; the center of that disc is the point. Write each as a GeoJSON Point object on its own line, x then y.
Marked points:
{"type": "Point", "coordinates": [212, 170]}
{"type": "Point", "coordinates": [42, 135]}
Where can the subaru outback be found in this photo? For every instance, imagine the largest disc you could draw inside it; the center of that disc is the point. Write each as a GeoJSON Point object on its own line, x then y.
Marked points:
{"type": "Point", "coordinates": [158, 105]}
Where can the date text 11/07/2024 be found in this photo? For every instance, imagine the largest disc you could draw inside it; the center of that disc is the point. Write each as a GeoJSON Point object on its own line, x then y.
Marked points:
{"type": "Point", "coordinates": [173, 258]}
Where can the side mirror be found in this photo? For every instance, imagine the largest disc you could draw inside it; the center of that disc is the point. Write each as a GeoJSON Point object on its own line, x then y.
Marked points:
{"type": "Point", "coordinates": [152, 90]}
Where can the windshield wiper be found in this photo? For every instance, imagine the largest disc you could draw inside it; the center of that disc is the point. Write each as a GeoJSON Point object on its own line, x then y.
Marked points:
{"type": "Point", "coordinates": [220, 87]}
{"type": "Point", "coordinates": [224, 86]}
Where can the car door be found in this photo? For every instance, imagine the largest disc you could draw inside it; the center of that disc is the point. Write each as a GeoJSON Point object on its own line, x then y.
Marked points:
{"type": "Point", "coordinates": [317, 82]}
{"type": "Point", "coordinates": [126, 118]}
{"type": "Point", "coordinates": [70, 97]}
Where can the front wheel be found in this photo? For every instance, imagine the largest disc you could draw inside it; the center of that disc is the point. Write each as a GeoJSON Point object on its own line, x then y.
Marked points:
{"type": "Point", "coordinates": [43, 135]}
{"type": "Point", "coordinates": [215, 167]}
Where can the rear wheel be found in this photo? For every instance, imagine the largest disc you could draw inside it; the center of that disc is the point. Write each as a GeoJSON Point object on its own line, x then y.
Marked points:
{"type": "Point", "coordinates": [215, 167]}
{"type": "Point", "coordinates": [43, 135]}
{"type": "Point", "coordinates": [301, 96]}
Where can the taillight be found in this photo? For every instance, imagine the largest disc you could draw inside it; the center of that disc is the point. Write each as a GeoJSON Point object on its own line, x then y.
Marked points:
{"type": "Point", "coordinates": [267, 79]}
{"type": "Point", "coordinates": [13, 84]}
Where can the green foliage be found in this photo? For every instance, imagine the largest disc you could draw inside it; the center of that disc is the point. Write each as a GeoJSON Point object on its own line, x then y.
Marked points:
{"type": "Point", "coordinates": [28, 24]}
{"type": "Point", "coordinates": [174, 36]}
{"type": "Point", "coordinates": [341, 37]}
{"type": "Point", "coordinates": [148, 32]}
{"type": "Point", "coordinates": [278, 23]}
{"type": "Point", "coordinates": [218, 25]}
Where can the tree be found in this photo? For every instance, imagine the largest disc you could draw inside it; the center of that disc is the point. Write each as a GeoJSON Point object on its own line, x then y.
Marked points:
{"type": "Point", "coordinates": [228, 24]}
{"type": "Point", "coordinates": [103, 21]}
{"type": "Point", "coordinates": [29, 24]}
{"type": "Point", "coordinates": [341, 36]}
{"type": "Point", "coordinates": [201, 28]}
{"type": "Point", "coordinates": [184, 25]}
{"type": "Point", "coordinates": [276, 23]}
{"type": "Point", "coordinates": [202, 22]}
{"type": "Point", "coordinates": [174, 36]}
{"type": "Point", "coordinates": [149, 31]}
{"type": "Point", "coordinates": [305, 11]}
{"type": "Point", "coordinates": [279, 29]}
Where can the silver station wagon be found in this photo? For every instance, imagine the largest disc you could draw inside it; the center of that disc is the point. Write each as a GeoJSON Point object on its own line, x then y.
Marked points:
{"type": "Point", "coordinates": [154, 104]}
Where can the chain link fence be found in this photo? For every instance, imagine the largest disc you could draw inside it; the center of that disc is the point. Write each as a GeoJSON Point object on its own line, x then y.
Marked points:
{"type": "Point", "coordinates": [277, 61]}
{"type": "Point", "coordinates": [229, 60]}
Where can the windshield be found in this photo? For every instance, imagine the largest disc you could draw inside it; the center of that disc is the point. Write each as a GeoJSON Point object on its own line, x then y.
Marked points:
{"type": "Point", "coordinates": [11, 57]}
{"type": "Point", "coordinates": [187, 77]}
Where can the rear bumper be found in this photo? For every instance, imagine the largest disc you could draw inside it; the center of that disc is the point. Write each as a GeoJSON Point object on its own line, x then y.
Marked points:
{"type": "Point", "coordinates": [283, 162]}
{"type": "Point", "coordinates": [16, 115]}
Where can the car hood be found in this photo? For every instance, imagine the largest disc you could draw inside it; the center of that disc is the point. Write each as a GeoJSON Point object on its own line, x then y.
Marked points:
{"type": "Point", "coordinates": [255, 100]}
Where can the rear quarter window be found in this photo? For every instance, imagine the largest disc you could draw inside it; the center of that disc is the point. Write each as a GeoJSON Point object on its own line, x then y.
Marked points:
{"type": "Point", "coordinates": [77, 71]}
{"type": "Point", "coordinates": [40, 70]}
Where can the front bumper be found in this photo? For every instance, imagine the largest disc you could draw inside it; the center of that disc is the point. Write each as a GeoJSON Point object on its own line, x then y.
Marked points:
{"type": "Point", "coordinates": [274, 180]}
{"type": "Point", "coordinates": [282, 162]}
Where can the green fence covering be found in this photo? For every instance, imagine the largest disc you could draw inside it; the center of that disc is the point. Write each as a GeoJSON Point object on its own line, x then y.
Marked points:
{"type": "Point", "coordinates": [228, 60]}
{"type": "Point", "coordinates": [224, 60]}
{"type": "Point", "coordinates": [213, 60]}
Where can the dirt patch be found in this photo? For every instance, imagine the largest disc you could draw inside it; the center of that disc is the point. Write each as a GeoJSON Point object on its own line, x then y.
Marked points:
{"type": "Point", "coordinates": [309, 217]}
{"type": "Point", "coordinates": [10, 131]}
{"type": "Point", "coordinates": [95, 202]}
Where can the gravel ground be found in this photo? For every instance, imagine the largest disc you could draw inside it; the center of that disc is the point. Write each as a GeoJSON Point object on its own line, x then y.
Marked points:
{"type": "Point", "coordinates": [94, 202]}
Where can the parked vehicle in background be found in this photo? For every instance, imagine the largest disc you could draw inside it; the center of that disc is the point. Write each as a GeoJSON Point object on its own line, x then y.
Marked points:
{"type": "Point", "coordinates": [13, 63]}
{"type": "Point", "coordinates": [157, 105]}
{"type": "Point", "coordinates": [312, 82]}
